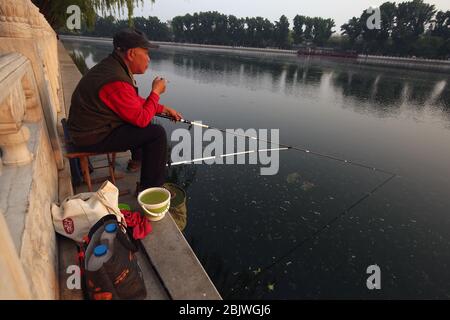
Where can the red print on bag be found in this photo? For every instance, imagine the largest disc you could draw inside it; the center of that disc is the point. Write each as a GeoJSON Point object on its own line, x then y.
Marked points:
{"type": "Point", "coordinates": [68, 225]}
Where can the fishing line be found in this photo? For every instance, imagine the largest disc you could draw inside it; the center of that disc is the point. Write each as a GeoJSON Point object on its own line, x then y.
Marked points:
{"type": "Point", "coordinates": [327, 225]}
{"type": "Point", "coordinates": [322, 155]}
{"type": "Point", "coordinates": [319, 231]}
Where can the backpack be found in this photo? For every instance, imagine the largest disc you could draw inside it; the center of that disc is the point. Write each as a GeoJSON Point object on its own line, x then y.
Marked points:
{"type": "Point", "coordinates": [120, 277]}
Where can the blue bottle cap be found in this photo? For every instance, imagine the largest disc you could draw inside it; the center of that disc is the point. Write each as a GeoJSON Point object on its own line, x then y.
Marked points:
{"type": "Point", "coordinates": [100, 250]}
{"type": "Point", "coordinates": [110, 228]}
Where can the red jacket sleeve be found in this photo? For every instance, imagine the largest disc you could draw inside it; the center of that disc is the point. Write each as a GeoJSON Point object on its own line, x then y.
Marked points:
{"type": "Point", "coordinates": [121, 98]}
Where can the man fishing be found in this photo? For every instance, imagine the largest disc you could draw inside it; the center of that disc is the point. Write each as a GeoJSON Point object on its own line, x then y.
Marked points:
{"type": "Point", "coordinates": [107, 114]}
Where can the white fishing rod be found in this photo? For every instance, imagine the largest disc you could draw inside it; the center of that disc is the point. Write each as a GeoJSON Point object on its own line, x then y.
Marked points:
{"type": "Point", "coordinates": [284, 146]}
{"type": "Point", "coordinates": [177, 163]}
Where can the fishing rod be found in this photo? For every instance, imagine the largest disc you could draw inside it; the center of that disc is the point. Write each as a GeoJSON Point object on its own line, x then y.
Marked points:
{"type": "Point", "coordinates": [284, 146]}
{"type": "Point", "coordinates": [222, 156]}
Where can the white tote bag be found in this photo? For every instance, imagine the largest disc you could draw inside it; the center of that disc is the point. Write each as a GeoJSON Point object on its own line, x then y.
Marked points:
{"type": "Point", "coordinates": [77, 214]}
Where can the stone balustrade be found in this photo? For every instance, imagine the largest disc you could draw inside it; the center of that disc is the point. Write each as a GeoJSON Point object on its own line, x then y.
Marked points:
{"type": "Point", "coordinates": [31, 153]}
{"type": "Point", "coordinates": [18, 104]}
{"type": "Point", "coordinates": [28, 179]}
{"type": "Point", "coordinates": [23, 29]}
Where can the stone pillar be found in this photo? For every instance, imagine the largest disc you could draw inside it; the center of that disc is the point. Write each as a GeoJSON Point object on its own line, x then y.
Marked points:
{"type": "Point", "coordinates": [41, 30]}
{"type": "Point", "coordinates": [13, 136]}
{"type": "Point", "coordinates": [14, 147]}
{"type": "Point", "coordinates": [33, 111]}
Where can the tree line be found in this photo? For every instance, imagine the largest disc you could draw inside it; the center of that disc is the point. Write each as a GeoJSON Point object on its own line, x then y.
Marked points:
{"type": "Point", "coordinates": [219, 29]}
{"type": "Point", "coordinates": [202, 28]}
{"type": "Point", "coordinates": [155, 29]}
{"type": "Point", "coordinates": [411, 28]}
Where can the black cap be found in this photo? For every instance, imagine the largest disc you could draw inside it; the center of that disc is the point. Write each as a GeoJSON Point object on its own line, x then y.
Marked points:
{"type": "Point", "coordinates": [129, 38]}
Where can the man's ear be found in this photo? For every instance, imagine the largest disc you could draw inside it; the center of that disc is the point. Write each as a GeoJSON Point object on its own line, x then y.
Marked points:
{"type": "Point", "coordinates": [130, 54]}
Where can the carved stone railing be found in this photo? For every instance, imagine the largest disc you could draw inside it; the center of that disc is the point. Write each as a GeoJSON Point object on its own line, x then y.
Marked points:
{"type": "Point", "coordinates": [29, 178]}
{"type": "Point", "coordinates": [24, 30]}
{"type": "Point", "coordinates": [18, 103]}
{"type": "Point", "coordinates": [31, 153]}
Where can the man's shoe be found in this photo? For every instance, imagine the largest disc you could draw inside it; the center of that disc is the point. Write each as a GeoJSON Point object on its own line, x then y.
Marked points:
{"type": "Point", "coordinates": [133, 165]}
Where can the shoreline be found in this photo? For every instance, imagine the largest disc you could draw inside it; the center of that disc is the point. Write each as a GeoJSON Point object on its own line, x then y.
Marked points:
{"type": "Point", "coordinates": [430, 65]}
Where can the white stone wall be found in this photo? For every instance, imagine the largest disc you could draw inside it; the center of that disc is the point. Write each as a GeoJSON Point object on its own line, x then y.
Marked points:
{"type": "Point", "coordinates": [14, 284]}
{"type": "Point", "coordinates": [38, 253]}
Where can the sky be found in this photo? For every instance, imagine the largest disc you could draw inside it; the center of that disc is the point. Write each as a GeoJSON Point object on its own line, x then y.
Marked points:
{"type": "Point", "coordinates": [339, 10]}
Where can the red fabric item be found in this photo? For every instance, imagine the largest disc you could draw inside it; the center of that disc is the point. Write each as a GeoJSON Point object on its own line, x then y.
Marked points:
{"type": "Point", "coordinates": [122, 98]}
{"type": "Point", "coordinates": [141, 226]}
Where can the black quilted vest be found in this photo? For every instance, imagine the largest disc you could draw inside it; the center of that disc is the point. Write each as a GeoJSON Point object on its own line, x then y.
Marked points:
{"type": "Point", "coordinates": [90, 120]}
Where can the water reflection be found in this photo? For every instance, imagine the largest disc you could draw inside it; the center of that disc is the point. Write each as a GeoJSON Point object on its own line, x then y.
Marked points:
{"type": "Point", "coordinates": [437, 92]}
{"type": "Point", "coordinates": [380, 93]}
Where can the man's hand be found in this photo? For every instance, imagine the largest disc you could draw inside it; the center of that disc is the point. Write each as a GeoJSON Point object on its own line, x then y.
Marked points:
{"type": "Point", "coordinates": [173, 113]}
{"type": "Point", "coordinates": [159, 85]}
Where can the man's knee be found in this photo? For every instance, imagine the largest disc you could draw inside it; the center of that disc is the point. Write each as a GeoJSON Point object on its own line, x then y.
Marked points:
{"type": "Point", "coordinates": [159, 129]}
{"type": "Point", "coordinates": [157, 132]}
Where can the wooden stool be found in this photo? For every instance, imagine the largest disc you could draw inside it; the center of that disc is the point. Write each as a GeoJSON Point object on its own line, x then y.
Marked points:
{"type": "Point", "coordinates": [71, 153]}
{"type": "Point", "coordinates": [84, 164]}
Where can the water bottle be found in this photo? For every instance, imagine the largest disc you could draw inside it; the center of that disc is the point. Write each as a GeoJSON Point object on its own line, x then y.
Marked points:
{"type": "Point", "coordinates": [100, 256]}
{"type": "Point", "coordinates": [108, 235]}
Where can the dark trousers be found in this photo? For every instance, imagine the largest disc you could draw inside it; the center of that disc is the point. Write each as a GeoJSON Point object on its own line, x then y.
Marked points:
{"type": "Point", "coordinates": [136, 154]}
{"type": "Point", "coordinates": [152, 140]}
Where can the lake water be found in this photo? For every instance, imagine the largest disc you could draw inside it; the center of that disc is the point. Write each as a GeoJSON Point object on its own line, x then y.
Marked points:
{"type": "Point", "coordinates": [311, 231]}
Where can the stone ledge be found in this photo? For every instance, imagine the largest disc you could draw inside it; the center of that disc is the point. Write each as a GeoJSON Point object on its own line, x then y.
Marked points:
{"type": "Point", "coordinates": [177, 265]}
{"type": "Point", "coordinates": [167, 261]}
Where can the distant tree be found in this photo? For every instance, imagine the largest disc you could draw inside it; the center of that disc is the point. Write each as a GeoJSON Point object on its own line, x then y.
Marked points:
{"type": "Point", "coordinates": [299, 24]}
{"type": "Point", "coordinates": [428, 46]}
{"type": "Point", "coordinates": [388, 19]}
{"type": "Point", "coordinates": [268, 30]}
{"type": "Point", "coordinates": [105, 26]}
{"type": "Point", "coordinates": [259, 32]}
{"type": "Point", "coordinates": [322, 30]}
{"type": "Point", "coordinates": [220, 33]}
{"type": "Point", "coordinates": [441, 29]}
{"type": "Point", "coordinates": [353, 29]}
{"type": "Point", "coordinates": [153, 28]}
{"type": "Point", "coordinates": [412, 18]}
{"type": "Point", "coordinates": [188, 27]}
{"type": "Point", "coordinates": [258, 36]}
{"type": "Point", "coordinates": [369, 36]}
{"type": "Point", "coordinates": [236, 30]}
{"type": "Point", "coordinates": [441, 26]}
{"type": "Point", "coordinates": [178, 29]}
{"type": "Point", "coordinates": [250, 31]}
{"type": "Point", "coordinates": [206, 25]}
{"type": "Point", "coordinates": [281, 34]}
{"type": "Point", "coordinates": [309, 28]}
